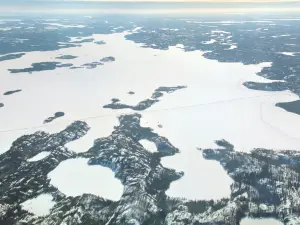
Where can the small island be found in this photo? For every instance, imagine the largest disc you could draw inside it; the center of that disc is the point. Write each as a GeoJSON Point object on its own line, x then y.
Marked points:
{"type": "Point", "coordinates": [92, 65]}
{"type": "Point", "coordinates": [139, 107]}
{"type": "Point", "coordinates": [11, 56]}
{"type": "Point", "coordinates": [12, 92]}
{"type": "Point", "coordinates": [56, 115]}
{"type": "Point", "coordinates": [66, 57]}
{"type": "Point", "coordinates": [115, 100]}
{"type": "Point", "coordinates": [100, 42]}
{"type": "Point", "coordinates": [145, 104]}
{"type": "Point", "coordinates": [41, 66]}
{"type": "Point", "coordinates": [108, 59]}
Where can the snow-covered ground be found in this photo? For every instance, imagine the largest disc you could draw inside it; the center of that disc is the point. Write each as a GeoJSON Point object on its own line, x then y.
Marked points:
{"type": "Point", "coordinates": [39, 206]}
{"type": "Point", "coordinates": [250, 221]}
{"type": "Point", "coordinates": [215, 105]}
{"type": "Point", "coordinates": [75, 177]}
{"type": "Point", "coordinates": [39, 156]}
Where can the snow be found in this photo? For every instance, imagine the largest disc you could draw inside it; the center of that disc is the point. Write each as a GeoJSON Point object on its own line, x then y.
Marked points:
{"type": "Point", "coordinates": [211, 41]}
{"type": "Point", "coordinates": [51, 20]}
{"type": "Point", "coordinates": [64, 26]}
{"type": "Point", "coordinates": [237, 21]}
{"type": "Point", "coordinates": [288, 53]}
{"type": "Point", "coordinates": [149, 145]}
{"type": "Point", "coordinates": [250, 221]}
{"type": "Point", "coordinates": [39, 156]}
{"type": "Point", "coordinates": [232, 47]}
{"type": "Point", "coordinates": [283, 35]}
{"type": "Point", "coordinates": [75, 177]}
{"type": "Point", "coordinates": [171, 29]}
{"type": "Point", "coordinates": [136, 29]}
{"type": "Point", "coordinates": [202, 179]}
{"type": "Point", "coordinates": [220, 32]}
{"type": "Point", "coordinates": [215, 105]}
{"type": "Point", "coordinates": [39, 206]}
{"type": "Point", "coordinates": [5, 28]}
{"type": "Point", "coordinates": [180, 46]}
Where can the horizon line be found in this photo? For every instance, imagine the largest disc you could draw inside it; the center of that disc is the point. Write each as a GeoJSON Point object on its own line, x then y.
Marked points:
{"type": "Point", "coordinates": [190, 1]}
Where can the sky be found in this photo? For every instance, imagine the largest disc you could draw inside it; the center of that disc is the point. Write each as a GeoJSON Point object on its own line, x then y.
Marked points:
{"type": "Point", "coordinates": [190, 0]}
{"type": "Point", "coordinates": [148, 6]}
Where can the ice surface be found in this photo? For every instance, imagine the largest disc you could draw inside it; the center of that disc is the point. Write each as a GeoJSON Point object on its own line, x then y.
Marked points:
{"type": "Point", "coordinates": [75, 177]}
{"type": "Point", "coordinates": [250, 221]}
{"type": "Point", "coordinates": [149, 145]}
{"type": "Point", "coordinates": [288, 53]}
{"type": "Point", "coordinates": [215, 105]}
{"type": "Point", "coordinates": [39, 156]}
{"type": "Point", "coordinates": [232, 47]}
{"type": "Point", "coordinates": [202, 179]}
{"type": "Point", "coordinates": [211, 41]}
{"type": "Point", "coordinates": [39, 206]}
{"type": "Point", "coordinates": [64, 26]}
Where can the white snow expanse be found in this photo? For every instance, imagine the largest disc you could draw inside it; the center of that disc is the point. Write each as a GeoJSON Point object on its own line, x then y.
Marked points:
{"type": "Point", "coordinates": [211, 41]}
{"type": "Point", "coordinates": [39, 206]}
{"type": "Point", "coordinates": [288, 53]}
{"type": "Point", "coordinates": [215, 105]}
{"type": "Point", "coordinates": [232, 47]}
{"type": "Point", "coordinates": [149, 145]}
{"type": "Point", "coordinates": [250, 221]}
{"type": "Point", "coordinates": [75, 177]}
{"type": "Point", "coordinates": [39, 156]}
{"type": "Point", "coordinates": [64, 26]}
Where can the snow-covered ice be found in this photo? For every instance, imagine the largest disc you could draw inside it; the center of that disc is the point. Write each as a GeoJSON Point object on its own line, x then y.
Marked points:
{"type": "Point", "coordinates": [269, 221]}
{"type": "Point", "coordinates": [39, 156]}
{"type": "Point", "coordinates": [220, 32]}
{"type": "Point", "coordinates": [39, 206]}
{"type": "Point", "coordinates": [215, 105]}
{"type": "Point", "coordinates": [180, 46]}
{"type": "Point", "coordinates": [75, 177]}
{"type": "Point", "coordinates": [136, 29]}
{"type": "Point", "coordinates": [202, 179]}
{"type": "Point", "coordinates": [149, 145]}
{"type": "Point", "coordinates": [288, 53]}
{"type": "Point", "coordinates": [232, 47]}
{"type": "Point", "coordinates": [64, 26]}
{"type": "Point", "coordinates": [5, 28]}
{"type": "Point", "coordinates": [211, 41]}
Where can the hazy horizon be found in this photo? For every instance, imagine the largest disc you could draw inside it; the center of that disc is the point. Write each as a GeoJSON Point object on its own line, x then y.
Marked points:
{"type": "Point", "coordinates": [148, 6]}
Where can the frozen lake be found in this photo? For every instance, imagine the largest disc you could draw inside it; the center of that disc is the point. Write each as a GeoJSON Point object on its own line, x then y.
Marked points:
{"type": "Point", "coordinates": [250, 221]}
{"type": "Point", "coordinates": [39, 206]}
{"type": "Point", "coordinates": [75, 177]}
{"type": "Point", "coordinates": [215, 105]}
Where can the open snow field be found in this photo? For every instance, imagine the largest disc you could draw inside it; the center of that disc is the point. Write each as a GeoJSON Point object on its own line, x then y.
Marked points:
{"type": "Point", "coordinates": [215, 105]}
{"type": "Point", "coordinates": [75, 177]}
{"type": "Point", "coordinates": [39, 206]}
{"type": "Point", "coordinates": [250, 221]}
